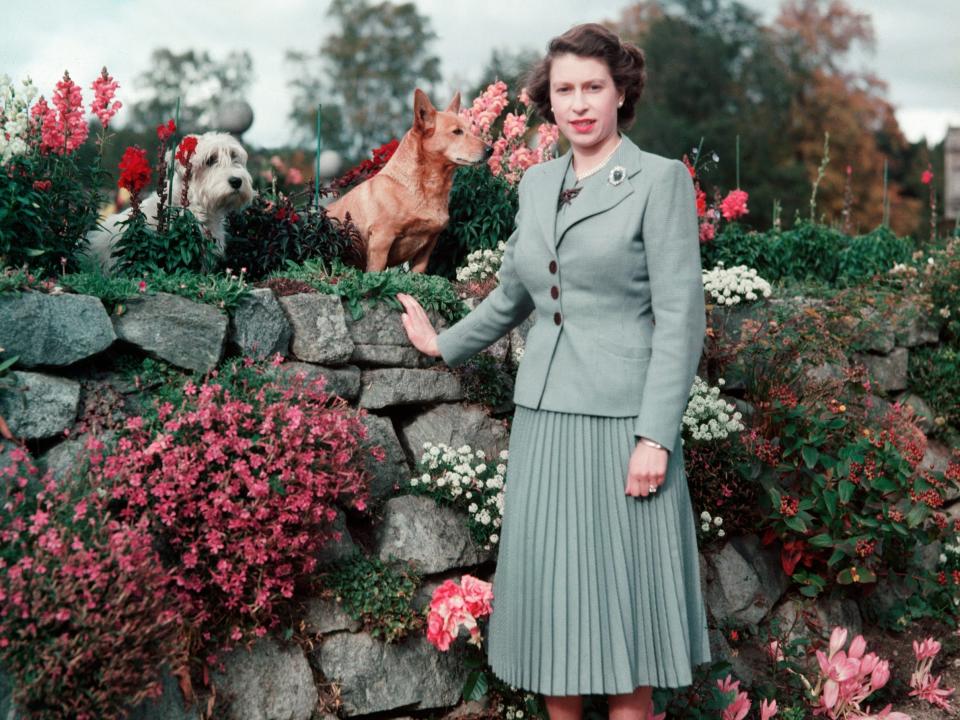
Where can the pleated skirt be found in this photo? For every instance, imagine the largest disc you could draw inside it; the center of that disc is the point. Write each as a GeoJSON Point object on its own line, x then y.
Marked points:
{"type": "Point", "coordinates": [595, 591]}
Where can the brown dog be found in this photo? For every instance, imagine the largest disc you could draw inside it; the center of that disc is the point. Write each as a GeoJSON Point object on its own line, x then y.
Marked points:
{"type": "Point", "coordinates": [401, 211]}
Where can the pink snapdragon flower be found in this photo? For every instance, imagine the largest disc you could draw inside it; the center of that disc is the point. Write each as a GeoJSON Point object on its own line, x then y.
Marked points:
{"type": "Point", "coordinates": [514, 126]}
{"type": "Point", "coordinates": [734, 205]}
{"type": "Point", "coordinates": [63, 131]}
{"type": "Point", "coordinates": [487, 107]}
{"type": "Point", "coordinates": [104, 88]}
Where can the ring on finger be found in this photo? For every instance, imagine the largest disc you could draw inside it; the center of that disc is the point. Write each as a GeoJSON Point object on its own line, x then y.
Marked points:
{"type": "Point", "coordinates": [652, 488]}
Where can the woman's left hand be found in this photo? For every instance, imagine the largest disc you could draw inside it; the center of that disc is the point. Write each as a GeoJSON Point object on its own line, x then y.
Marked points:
{"type": "Point", "coordinates": [647, 466]}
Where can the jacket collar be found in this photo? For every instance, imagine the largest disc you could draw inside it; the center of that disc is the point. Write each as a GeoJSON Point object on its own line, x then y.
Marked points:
{"type": "Point", "coordinates": [628, 155]}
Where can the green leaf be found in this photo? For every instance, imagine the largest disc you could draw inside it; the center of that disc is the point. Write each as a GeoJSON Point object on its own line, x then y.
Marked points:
{"type": "Point", "coordinates": [795, 523]}
{"type": "Point", "coordinates": [883, 484]}
{"type": "Point", "coordinates": [822, 540]}
{"type": "Point", "coordinates": [837, 555]}
{"type": "Point", "coordinates": [810, 456]}
{"type": "Point", "coordinates": [475, 687]}
{"type": "Point", "coordinates": [846, 491]}
{"type": "Point", "coordinates": [917, 514]}
{"type": "Point", "coordinates": [830, 499]}
{"type": "Point", "coordinates": [851, 575]}
{"type": "Point", "coordinates": [810, 590]}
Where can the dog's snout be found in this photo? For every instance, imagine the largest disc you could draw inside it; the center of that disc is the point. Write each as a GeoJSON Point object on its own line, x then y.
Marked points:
{"type": "Point", "coordinates": [487, 152]}
{"type": "Point", "coordinates": [236, 182]}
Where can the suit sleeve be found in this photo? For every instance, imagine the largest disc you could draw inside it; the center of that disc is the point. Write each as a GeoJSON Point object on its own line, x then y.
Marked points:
{"type": "Point", "coordinates": [672, 246]}
{"type": "Point", "coordinates": [504, 308]}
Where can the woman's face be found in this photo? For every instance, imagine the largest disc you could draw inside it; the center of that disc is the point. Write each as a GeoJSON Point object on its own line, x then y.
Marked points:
{"type": "Point", "coordinates": [584, 100]}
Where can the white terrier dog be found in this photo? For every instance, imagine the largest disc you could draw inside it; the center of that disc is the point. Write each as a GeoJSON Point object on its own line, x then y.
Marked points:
{"type": "Point", "coordinates": [219, 183]}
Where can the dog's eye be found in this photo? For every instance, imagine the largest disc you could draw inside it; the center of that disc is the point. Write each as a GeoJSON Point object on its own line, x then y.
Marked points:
{"type": "Point", "coordinates": [211, 161]}
{"type": "Point", "coordinates": [458, 131]}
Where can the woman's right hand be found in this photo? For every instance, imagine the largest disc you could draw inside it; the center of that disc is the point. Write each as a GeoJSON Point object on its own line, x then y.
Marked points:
{"type": "Point", "coordinates": [418, 326]}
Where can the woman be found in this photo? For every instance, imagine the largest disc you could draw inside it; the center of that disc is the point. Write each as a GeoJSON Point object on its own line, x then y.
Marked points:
{"type": "Point", "coordinates": [597, 587]}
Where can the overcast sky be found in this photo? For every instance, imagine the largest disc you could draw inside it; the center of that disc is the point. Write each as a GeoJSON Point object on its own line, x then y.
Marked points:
{"type": "Point", "coordinates": [917, 45]}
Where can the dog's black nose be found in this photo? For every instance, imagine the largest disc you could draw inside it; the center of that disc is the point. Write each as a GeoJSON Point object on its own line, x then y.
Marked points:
{"type": "Point", "coordinates": [236, 182]}
{"type": "Point", "coordinates": [488, 152]}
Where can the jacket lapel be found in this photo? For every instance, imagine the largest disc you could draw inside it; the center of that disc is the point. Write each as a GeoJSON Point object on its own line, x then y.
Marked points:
{"type": "Point", "coordinates": [605, 194]}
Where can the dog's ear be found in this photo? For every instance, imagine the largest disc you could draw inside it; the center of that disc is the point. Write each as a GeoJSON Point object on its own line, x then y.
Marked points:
{"type": "Point", "coordinates": [454, 105]}
{"type": "Point", "coordinates": [424, 113]}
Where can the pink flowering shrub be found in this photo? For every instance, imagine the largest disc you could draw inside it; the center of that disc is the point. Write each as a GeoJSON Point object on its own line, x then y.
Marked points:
{"type": "Point", "coordinates": [86, 613]}
{"type": "Point", "coordinates": [240, 486]}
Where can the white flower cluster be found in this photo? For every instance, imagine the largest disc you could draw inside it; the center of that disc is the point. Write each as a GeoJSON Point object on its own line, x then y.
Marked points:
{"type": "Point", "coordinates": [481, 264]}
{"type": "Point", "coordinates": [515, 712]}
{"type": "Point", "coordinates": [731, 286]}
{"type": "Point", "coordinates": [708, 523]}
{"type": "Point", "coordinates": [14, 117]}
{"type": "Point", "coordinates": [462, 476]}
{"type": "Point", "coordinates": [707, 416]}
{"type": "Point", "coordinates": [903, 269]}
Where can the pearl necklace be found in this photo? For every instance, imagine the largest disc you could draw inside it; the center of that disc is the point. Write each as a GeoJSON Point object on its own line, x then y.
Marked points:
{"type": "Point", "coordinates": [596, 168]}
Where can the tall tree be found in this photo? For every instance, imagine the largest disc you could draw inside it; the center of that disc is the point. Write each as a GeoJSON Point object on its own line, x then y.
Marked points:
{"type": "Point", "coordinates": [713, 73]}
{"type": "Point", "coordinates": [369, 69]}
{"type": "Point", "coordinates": [201, 83]}
{"type": "Point", "coordinates": [815, 38]}
{"type": "Point", "coordinates": [507, 65]}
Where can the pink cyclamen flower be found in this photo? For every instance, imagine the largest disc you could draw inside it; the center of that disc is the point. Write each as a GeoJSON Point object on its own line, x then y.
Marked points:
{"type": "Point", "coordinates": [931, 691]}
{"type": "Point", "coordinates": [104, 88]}
{"type": "Point", "coordinates": [738, 707]}
{"type": "Point", "coordinates": [774, 651]}
{"type": "Point", "coordinates": [768, 708]}
{"type": "Point", "coordinates": [927, 649]}
{"type": "Point", "coordinates": [734, 205]}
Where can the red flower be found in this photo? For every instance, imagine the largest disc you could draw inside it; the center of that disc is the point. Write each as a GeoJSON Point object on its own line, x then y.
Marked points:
{"type": "Point", "coordinates": [927, 176]}
{"type": "Point", "coordinates": [134, 170]}
{"type": "Point", "coordinates": [164, 132]}
{"type": "Point", "coordinates": [42, 185]}
{"type": "Point", "coordinates": [701, 202]}
{"type": "Point", "coordinates": [186, 149]}
{"type": "Point", "coordinates": [734, 205]}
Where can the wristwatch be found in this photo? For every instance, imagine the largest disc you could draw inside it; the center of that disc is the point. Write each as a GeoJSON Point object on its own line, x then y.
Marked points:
{"type": "Point", "coordinates": [651, 443]}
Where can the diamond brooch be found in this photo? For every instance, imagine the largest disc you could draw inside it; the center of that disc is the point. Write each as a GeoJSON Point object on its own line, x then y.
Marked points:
{"type": "Point", "coordinates": [617, 175]}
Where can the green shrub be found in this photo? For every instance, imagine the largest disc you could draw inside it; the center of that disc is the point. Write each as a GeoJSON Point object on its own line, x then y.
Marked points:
{"type": "Point", "coordinates": [40, 226]}
{"type": "Point", "coordinates": [377, 595]}
{"type": "Point", "coordinates": [483, 209]}
{"type": "Point", "coordinates": [269, 233]}
{"type": "Point", "coordinates": [808, 253]}
{"type": "Point", "coordinates": [934, 374]}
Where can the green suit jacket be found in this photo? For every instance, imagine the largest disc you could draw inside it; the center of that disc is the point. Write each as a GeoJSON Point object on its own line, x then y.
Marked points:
{"type": "Point", "coordinates": [618, 292]}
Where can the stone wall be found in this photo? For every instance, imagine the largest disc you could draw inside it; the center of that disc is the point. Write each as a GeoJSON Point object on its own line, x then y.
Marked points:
{"type": "Point", "coordinates": [63, 341]}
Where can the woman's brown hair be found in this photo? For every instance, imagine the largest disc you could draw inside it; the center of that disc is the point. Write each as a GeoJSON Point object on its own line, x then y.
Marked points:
{"type": "Point", "coordinates": [625, 61]}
